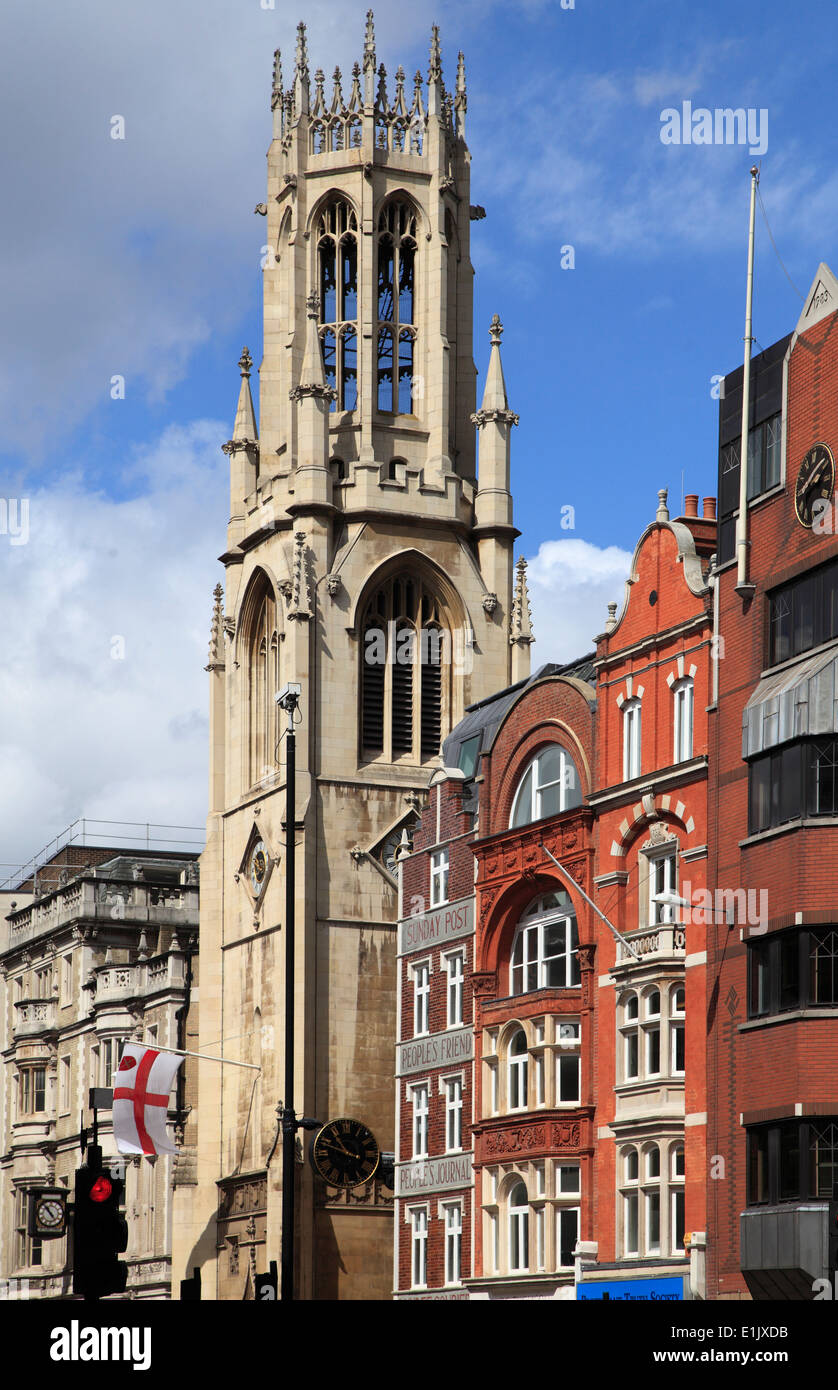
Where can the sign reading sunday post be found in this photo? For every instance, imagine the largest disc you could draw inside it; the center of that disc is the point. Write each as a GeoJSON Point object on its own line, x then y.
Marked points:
{"type": "Point", "coordinates": [447, 923]}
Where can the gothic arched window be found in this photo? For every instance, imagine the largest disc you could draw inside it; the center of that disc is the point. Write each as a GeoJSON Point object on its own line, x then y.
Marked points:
{"type": "Point", "coordinates": [337, 276]}
{"type": "Point", "coordinates": [405, 672]}
{"type": "Point", "coordinates": [263, 683]}
{"type": "Point", "coordinates": [396, 308]}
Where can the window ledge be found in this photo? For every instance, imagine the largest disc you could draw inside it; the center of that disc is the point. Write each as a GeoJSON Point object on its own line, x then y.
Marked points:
{"type": "Point", "coordinates": [801, 823]}
{"type": "Point", "coordinates": [791, 661]}
{"type": "Point", "coordinates": [792, 1016]}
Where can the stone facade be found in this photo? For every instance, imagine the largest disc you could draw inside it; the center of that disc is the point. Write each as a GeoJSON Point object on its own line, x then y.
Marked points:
{"type": "Point", "coordinates": [102, 950]}
{"type": "Point", "coordinates": [355, 514]}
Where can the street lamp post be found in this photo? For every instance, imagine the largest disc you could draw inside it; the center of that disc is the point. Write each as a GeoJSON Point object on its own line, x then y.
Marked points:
{"type": "Point", "coordinates": [288, 699]}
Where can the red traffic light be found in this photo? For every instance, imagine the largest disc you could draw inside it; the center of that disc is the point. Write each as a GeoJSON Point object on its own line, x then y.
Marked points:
{"type": "Point", "coordinates": [101, 1189]}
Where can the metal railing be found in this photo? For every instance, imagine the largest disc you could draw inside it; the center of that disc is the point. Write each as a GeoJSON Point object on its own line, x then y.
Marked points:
{"type": "Point", "coordinates": [107, 834]}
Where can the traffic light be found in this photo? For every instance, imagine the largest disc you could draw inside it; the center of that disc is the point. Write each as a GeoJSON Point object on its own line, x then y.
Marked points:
{"type": "Point", "coordinates": [100, 1232]}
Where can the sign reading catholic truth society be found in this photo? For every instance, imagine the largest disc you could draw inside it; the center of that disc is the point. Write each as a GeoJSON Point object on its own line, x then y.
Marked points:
{"type": "Point", "coordinates": [446, 924]}
{"type": "Point", "coordinates": [633, 1290]}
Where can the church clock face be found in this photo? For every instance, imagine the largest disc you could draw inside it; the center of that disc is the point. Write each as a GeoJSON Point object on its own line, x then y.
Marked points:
{"type": "Point", "coordinates": [815, 483]}
{"type": "Point", "coordinates": [389, 850]}
{"type": "Point", "coordinates": [345, 1153]}
{"type": "Point", "coordinates": [258, 866]}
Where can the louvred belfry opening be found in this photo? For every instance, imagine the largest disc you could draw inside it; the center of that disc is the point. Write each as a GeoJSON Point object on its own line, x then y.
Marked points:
{"type": "Point", "coordinates": [405, 676]}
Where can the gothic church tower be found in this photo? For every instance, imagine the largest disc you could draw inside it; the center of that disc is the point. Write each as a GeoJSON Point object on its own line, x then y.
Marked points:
{"type": "Point", "coordinates": [358, 533]}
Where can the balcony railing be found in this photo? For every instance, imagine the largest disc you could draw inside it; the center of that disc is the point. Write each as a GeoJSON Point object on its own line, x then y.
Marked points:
{"type": "Point", "coordinates": [33, 1016]}
{"type": "Point", "coordinates": [116, 983]}
{"type": "Point", "coordinates": [108, 900]}
{"type": "Point", "coordinates": [654, 943]}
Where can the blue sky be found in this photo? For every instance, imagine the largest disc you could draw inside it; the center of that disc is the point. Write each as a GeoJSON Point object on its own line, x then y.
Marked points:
{"type": "Point", "coordinates": [141, 257]}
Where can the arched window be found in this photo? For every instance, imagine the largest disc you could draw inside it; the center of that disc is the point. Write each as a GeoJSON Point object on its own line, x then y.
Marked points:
{"type": "Point", "coordinates": [337, 272]}
{"type": "Point", "coordinates": [517, 1071]}
{"type": "Point", "coordinates": [549, 785]}
{"type": "Point", "coordinates": [683, 695]}
{"type": "Point", "coordinates": [519, 1229]}
{"type": "Point", "coordinates": [405, 673]}
{"type": "Point", "coordinates": [396, 307]}
{"type": "Point", "coordinates": [263, 683]}
{"type": "Point", "coordinates": [546, 945]}
{"type": "Point", "coordinates": [631, 739]}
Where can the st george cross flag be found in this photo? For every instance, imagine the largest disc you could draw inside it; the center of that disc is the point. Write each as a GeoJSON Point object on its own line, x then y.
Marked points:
{"type": "Point", "coordinates": [141, 1098]}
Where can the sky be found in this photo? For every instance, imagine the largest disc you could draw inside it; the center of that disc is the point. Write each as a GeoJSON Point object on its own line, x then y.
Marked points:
{"type": "Point", "coordinates": [140, 258]}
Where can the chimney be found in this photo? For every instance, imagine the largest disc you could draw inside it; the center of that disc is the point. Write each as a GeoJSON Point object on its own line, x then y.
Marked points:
{"type": "Point", "coordinates": [709, 509]}
{"type": "Point", "coordinates": [691, 504]}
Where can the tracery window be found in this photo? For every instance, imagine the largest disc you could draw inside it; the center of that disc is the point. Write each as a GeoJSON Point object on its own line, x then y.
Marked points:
{"type": "Point", "coordinates": [406, 672]}
{"type": "Point", "coordinates": [337, 270]}
{"type": "Point", "coordinates": [396, 307]}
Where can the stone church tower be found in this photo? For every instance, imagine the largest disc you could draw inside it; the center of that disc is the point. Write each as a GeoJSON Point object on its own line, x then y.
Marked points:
{"type": "Point", "coordinates": [358, 533]}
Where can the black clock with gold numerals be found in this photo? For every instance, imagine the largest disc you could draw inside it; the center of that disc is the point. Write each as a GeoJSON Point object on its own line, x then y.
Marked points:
{"type": "Point", "coordinates": [815, 482]}
{"type": "Point", "coordinates": [345, 1153]}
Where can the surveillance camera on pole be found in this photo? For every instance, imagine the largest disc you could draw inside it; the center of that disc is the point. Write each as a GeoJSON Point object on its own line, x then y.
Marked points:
{"type": "Point", "coordinates": [289, 697]}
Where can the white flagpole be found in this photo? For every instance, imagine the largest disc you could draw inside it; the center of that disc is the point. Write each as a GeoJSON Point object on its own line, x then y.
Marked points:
{"type": "Point", "coordinates": [579, 889]}
{"type": "Point", "coordinates": [179, 1052]}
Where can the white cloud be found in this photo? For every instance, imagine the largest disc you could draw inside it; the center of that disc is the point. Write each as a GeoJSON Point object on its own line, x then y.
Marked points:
{"type": "Point", "coordinates": [84, 733]}
{"type": "Point", "coordinates": [571, 582]}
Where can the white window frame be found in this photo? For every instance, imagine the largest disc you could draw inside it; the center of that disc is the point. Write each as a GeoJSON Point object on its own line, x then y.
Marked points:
{"type": "Point", "coordinates": [454, 965]}
{"type": "Point", "coordinates": [651, 1027]}
{"type": "Point", "coordinates": [452, 1216]}
{"type": "Point", "coordinates": [677, 1025]}
{"type": "Point", "coordinates": [529, 943]}
{"type": "Point", "coordinates": [518, 1222]}
{"type": "Point", "coordinates": [666, 860]}
{"type": "Point", "coordinates": [418, 1219]}
{"type": "Point", "coordinates": [420, 1092]}
{"type": "Point", "coordinates": [568, 782]}
{"type": "Point", "coordinates": [683, 692]}
{"type": "Point", "coordinates": [453, 1089]}
{"type": "Point", "coordinates": [440, 868]}
{"type": "Point", "coordinates": [519, 1063]}
{"type": "Point", "coordinates": [421, 972]}
{"type": "Point", "coordinates": [632, 739]}
{"type": "Point", "coordinates": [561, 1211]}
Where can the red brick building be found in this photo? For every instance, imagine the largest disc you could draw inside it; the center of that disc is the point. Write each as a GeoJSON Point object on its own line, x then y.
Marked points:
{"type": "Point", "coordinates": [653, 671]}
{"type": "Point", "coordinates": [534, 991]}
{"type": "Point", "coordinates": [773, 973]}
{"type": "Point", "coordinates": [435, 1048]}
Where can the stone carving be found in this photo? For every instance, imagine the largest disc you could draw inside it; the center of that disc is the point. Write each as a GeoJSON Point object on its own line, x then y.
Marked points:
{"type": "Point", "coordinates": [490, 603]}
{"type": "Point", "coordinates": [510, 1141]}
{"type": "Point", "coordinates": [566, 1134]}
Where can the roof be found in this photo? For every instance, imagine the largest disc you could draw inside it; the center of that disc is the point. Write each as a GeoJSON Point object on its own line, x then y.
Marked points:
{"type": "Point", "coordinates": [484, 718]}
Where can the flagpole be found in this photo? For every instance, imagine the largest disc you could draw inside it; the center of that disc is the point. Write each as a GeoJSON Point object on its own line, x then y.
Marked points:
{"type": "Point", "coordinates": [205, 1057]}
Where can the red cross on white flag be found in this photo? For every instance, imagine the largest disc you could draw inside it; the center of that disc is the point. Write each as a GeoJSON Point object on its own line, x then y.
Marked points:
{"type": "Point", "coordinates": [140, 1103]}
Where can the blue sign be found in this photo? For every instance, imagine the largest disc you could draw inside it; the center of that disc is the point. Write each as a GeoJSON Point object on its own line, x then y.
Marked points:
{"type": "Point", "coordinates": [633, 1290]}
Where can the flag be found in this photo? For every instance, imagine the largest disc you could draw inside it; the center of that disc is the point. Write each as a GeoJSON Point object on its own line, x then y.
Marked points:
{"type": "Point", "coordinates": [142, 1085]}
